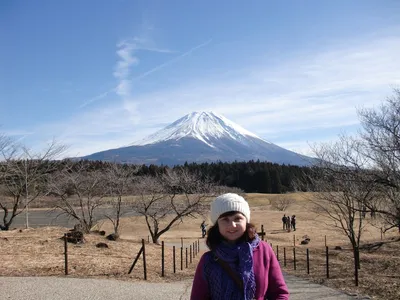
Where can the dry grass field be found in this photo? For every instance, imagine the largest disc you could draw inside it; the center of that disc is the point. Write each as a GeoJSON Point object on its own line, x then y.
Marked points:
{"type": "Point", "coordinates": [39, 252]}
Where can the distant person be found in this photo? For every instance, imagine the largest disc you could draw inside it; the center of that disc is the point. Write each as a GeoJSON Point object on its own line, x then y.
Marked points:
{"type": "Point", "coordinates": [288, 223]}
{"type": "Point", "coordinates": [284, 222]}
{"type": "Point", "coordinates": [203, 227]}
{"type": "Point", "coordinates": [239, 265]}
{"type": "Point", "coordinates": [293, 222]}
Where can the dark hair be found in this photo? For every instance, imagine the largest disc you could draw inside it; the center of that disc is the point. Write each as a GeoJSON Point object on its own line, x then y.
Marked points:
{"type": "Point", "coordinates": [214, 237]}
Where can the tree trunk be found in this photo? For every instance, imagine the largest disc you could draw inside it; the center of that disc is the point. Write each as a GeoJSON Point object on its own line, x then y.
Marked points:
{"type": "Point", "coordinates": [356, 255]}
{"type": "Point", "coordinates": [155, 239]}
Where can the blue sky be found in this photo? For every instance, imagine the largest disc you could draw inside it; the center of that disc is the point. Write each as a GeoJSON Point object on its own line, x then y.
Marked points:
{"type": "Point", "coordinates": [100, 74]}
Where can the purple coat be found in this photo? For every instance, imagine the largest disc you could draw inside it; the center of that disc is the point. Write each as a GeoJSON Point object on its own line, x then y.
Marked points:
{"type": "Point", "coordinates": [270, 283]}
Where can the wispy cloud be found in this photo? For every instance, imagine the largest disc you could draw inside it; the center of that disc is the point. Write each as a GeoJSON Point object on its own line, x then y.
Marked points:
{"type": "Point", "coordinates": [98, 97]}
{"type": "Point", "coordinates": [111, 124]}
{"type": "Point", "coordinates": [171, 61]}
{"type": "Point", "coordinates": [320, 90]}
{"type": "Point", "coordinates": [128, 58]}
{"type": "Point", "coordinates": [317, 91]}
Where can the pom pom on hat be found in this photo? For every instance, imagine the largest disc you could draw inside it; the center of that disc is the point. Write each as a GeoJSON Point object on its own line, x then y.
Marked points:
{"type": "Point", "coordinates": [229, 202]}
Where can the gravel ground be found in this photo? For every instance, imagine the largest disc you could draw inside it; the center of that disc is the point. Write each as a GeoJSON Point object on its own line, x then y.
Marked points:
{"type": "Point", "coordinates": [62, 288]}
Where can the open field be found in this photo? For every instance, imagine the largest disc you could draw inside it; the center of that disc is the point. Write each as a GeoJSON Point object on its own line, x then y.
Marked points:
{"type": "Point", "coordinates": [40, 251]}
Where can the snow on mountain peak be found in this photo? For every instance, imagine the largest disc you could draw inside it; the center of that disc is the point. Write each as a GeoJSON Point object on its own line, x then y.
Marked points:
{"type": "Point", "coordinates": [204, 126]}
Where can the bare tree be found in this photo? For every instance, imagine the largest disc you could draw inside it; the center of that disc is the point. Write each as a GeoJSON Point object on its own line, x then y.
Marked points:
{"type": "Point", "coordinates": [342, 184]}
{"type": "Point", "coordinates": [24, 177]}
{"type": "Point", "coordinates": [80, 192]}
{"type": "Point", "coordinates": [282, 203]}
{"type": "Point", "coordinates": [381, 133]}
{"type": "Point", "coordinates": [120, 182]}
{"type": "Point", "coordinates": [167, 199]}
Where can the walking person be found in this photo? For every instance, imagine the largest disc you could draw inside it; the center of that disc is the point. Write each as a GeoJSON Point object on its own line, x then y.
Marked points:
{"type": "Point", "coordinates": [293, 222]}
{"type": "Point", "coordinates": [239, 265]}
{"type": "Point", "coordinates": [284, 222]}
{"type": "Point", "coordinates": [288, 223]}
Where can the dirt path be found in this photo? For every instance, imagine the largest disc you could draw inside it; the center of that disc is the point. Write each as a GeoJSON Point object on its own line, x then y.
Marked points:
{"type": "Point", "coordinates": [61, 288]}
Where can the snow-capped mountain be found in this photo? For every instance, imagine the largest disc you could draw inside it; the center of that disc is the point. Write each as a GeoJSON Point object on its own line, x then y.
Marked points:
{"type": "Point", "coordinates": [201, 137]}
{"type": "Point", "coordinates": [203, 126]}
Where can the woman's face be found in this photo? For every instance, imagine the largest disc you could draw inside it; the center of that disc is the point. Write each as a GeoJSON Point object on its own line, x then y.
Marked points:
{"type": "Point", "coordinates": [232, 227]}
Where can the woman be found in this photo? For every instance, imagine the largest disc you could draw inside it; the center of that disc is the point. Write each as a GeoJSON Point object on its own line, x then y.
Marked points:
{"type": "Point", "coordinates": [239, 265]}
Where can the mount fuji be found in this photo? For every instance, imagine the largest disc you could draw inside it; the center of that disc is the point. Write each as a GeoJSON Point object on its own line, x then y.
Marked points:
{"type": "Point", "coordinates": [201, 137]}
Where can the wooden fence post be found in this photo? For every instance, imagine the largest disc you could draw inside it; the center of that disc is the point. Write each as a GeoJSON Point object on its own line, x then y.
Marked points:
{"type": "Point", "coordinates": [277, 252]}
{"type": "Point", "coordinates": [284, 256]}
{"type": "Point", "coordinates": [65, 254]}
{"type": "Point", "coordinates": [294, 258]}
{"type": "Point", "coordinates": [262, 232]}
{"type": "Point", "coordinates": [174, 259]}
{"type": "Point", "coordinates": [186, 257]}
{"type": "Point", "coordinates": [144, 260]}
{"type": "Point", "coordinates": [181, 258]}
{"type": "Point", "coordinates": [190, 256]}
{"type": "Point", "coordinates": [162, 259]}
{"type": "Point", "coordinates": [136, 259]}
{"type": "Point", "coordinates": [327, 261]}
{"type": "Point", "coordinates": [308, 261]}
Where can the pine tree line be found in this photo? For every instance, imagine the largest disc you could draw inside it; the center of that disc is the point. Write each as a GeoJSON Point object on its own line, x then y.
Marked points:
{"type": "Point", "coordinates": [251, 176]}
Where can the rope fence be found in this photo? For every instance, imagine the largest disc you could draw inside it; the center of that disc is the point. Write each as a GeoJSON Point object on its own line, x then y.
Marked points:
{"type": "Point", "coordinates": [191, 252]}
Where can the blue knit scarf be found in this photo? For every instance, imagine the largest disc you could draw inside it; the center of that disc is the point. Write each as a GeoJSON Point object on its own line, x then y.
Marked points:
{"type": "Point", "coordinates": [240, 259]}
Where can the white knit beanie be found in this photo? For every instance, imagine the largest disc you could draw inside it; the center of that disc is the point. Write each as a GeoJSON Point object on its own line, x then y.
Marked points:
{"type": "Point", "coordinates": [229, 202]}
